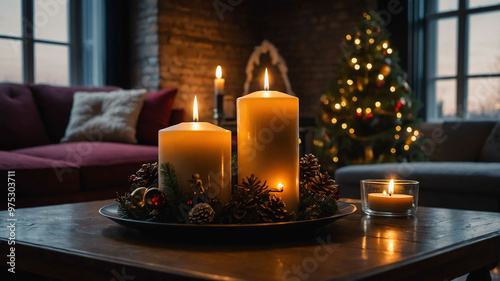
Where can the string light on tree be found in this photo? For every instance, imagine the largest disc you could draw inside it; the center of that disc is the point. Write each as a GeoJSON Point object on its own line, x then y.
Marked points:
{"type": "Point", "coordinates": [361, 106]}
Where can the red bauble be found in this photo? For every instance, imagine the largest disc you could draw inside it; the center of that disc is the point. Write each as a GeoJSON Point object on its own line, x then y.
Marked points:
{"type": "Point", "coordinates": [132, 177]}
{"type": "Point", "coordinates": [154, 199]}
{"type": "Point", "coordinates": [399, 105]}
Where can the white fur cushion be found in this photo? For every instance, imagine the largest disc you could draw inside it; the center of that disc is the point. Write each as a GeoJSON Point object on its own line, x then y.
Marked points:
{"type": "Point", "coordinates": [105, 116]}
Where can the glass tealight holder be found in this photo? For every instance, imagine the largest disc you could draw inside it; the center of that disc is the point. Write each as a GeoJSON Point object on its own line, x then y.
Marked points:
{"type": "Point", "coordinates": [390, 198]}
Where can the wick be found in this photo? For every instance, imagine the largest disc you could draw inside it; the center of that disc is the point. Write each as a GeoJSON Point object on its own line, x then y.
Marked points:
{"type": "Point", "coordinates": [390, 194]}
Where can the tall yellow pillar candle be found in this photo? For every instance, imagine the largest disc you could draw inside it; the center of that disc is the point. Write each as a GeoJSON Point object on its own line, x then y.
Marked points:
{"type": "Point", "coordinates": [198, 147]}
{"type": "Point", "coordinates": [268, 141]}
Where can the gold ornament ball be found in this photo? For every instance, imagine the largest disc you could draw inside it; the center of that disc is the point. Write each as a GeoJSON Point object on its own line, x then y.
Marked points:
{"type": "Point", "coordinates": [137, 197]}
{"type": "Point", "coordinates": [385, 70]}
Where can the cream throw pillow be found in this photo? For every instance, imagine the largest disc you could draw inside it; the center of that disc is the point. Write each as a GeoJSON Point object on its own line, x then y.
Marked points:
{"type": "Point", "coordinates": [105, 116]}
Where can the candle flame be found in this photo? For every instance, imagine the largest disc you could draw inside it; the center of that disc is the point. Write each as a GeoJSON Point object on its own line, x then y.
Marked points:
{"type": "Point", "coordinates": [195, 110]}
{"type": "Point", "coordinates": [266, 82]}
{"type": "Point", "coordinates": [391, 187]}
{"type": "Point", "coordinates": [218, 72]}
{"type": "Point", "coordinates": [280, 186]}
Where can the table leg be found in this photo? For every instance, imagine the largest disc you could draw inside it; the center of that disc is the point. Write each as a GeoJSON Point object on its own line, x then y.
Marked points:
{"type": "Point", "coordinates": [482, 274]}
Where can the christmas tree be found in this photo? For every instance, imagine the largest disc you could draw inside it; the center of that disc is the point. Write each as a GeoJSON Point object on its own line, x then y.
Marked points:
{"type": "Point", "coordinates": [369, 112]}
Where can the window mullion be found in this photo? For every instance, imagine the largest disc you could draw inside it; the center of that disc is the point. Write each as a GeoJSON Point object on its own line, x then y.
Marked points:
{"type": "Point", "coordinates": [28, 48]}
{"type": "Point", "coordinates": [462, 60]}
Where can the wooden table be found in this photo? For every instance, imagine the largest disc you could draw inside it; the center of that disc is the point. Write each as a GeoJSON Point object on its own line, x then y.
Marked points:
{"type": "Point", "coordinates": [73, 242]}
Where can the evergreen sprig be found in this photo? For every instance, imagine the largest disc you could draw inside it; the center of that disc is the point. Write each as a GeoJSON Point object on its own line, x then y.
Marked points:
{"type": "Point", "coordinates": [251, 202]}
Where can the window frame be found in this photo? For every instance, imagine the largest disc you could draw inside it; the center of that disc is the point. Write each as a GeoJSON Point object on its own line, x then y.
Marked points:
{"type": "Point", "coordinates": [462, 77]}
{"type": "Point", "coordinates": [28, 41]}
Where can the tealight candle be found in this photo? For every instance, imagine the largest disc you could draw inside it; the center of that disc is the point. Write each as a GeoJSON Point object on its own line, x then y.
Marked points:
{"type": "Point", "coordinates": [388, 201]}
{"type": "Point", "coordinates": [379, 197]}
{"type": "Point", "coordinates": [198, 147]}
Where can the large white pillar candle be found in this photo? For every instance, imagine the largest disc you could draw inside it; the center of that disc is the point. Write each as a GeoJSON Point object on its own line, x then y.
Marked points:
{"type": "Point", "coordinates": [268, 141]}
{"type": "Point", "coordinates": [198, 147]}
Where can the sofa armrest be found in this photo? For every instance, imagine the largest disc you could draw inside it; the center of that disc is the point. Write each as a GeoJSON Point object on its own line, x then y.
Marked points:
{"type": "Point", "coordinates": [176, 117]}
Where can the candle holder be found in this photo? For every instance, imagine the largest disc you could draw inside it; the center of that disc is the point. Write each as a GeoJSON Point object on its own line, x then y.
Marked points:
{"type": "Point", "coordinates": [390, 198]}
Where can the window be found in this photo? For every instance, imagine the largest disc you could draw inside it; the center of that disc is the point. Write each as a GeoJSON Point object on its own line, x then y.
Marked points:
{"type": "Point", "coordinates": [462, 51]}
{"type": "Point", "coordinates": [35, 42]}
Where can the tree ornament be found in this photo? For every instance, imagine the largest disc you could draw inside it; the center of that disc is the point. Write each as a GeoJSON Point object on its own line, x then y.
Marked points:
{"type": "Point", "coordinates": [399, 104]}
{"type": "Point", "coordinates": [406, 86]}
{"type": "Point", "coordinates": [154, 199]}
{"type": "Point", "coordinates": [380, 83]}
{"type": "Point", "coordinates": [201, 213]}
{"type": "Point", "coordinates": [137, 197]}
{"type": "Point", "coordinates": [326, 118]}
{"type": "Point", "coordinates": [360, 85]}
{"type": "Point", "coordinates": [146, 176]}
{"type": "Point", "coordinates": [385, 70]}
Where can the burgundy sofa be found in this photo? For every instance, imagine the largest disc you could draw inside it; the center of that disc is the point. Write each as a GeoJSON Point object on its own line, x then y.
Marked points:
{"type": "Point", "coordinates": [33, 119]}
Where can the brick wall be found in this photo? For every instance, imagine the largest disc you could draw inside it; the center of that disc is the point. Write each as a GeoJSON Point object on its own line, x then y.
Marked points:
{"type": "Point", "coordinates": [308, 34]}
{"type": "Point", "coordinates": [144, 44]}
{"type": "Point", "coordinates": [192, 40]}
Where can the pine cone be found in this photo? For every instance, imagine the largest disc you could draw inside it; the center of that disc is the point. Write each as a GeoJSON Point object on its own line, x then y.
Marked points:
{"type": "Point", "coordinates": [201, 213]}
{"type": "Point", "coordinates": [272, 210]}
{"type": "Point", "coordinates": [309, 166]}
{"type": "Point", "coordinates": [146, 176]}
{"type": "Point", "coordinates": [321, 183]}
{"type": "Point", "coordinates": [252, 203]}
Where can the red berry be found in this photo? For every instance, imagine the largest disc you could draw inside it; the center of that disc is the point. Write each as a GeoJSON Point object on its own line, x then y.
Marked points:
{"type": "Point", "coordinates": [132, 177]}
